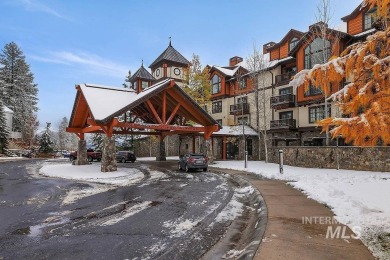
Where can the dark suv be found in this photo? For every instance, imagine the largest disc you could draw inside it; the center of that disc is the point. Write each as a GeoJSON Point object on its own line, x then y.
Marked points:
{"type": "Point", "coordinates": [125, 156]}
{"type": "Point", "coordinates": [191, 161]}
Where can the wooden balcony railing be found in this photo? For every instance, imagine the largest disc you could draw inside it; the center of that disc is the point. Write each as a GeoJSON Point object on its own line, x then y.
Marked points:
{"type": "Point", "coordinates": [284, 78]}
{"type": "Point", "coordinates": [283, 101]}
{"type": "Point", "coordinates": [239, 109]}
{"type": "Point", "coordinates": [283, 124]}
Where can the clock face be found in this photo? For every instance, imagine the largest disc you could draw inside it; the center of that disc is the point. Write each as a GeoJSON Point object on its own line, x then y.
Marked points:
{"type": "Point", "coordinates": [176, 71]}
{"type": "Point", "coordinates": [157, 72]}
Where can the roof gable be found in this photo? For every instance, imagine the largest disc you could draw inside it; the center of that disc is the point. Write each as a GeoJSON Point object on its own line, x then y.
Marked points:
{"type": "Point", "coordinates": [292, 33]}
{"type": "Point", "coordinates": [172, 55]}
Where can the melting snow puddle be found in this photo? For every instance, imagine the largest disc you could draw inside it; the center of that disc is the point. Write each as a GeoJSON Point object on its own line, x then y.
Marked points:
{"type": "Point", "coordinates": [57, 218]}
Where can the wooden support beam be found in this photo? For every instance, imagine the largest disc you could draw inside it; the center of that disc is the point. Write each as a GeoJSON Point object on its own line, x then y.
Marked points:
{"type": "Point", "coordinates": [209, 131]}
{"type": "Point", "coordinates": [173, 114]}
{"type": "Point", "coordinates": [164, 107]}
{"type": "Point", "coordinates": [153, 111]}
{"type": "Point", "coordinates": [162, 127]}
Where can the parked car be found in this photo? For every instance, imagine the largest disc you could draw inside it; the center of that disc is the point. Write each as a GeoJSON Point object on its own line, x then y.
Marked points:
{"type": "Point", "coordinates": [125, 156]}
{"type": "Point", "coordinates": [91, 155]}
{"type": "Point", "coordinates": [191, 161]}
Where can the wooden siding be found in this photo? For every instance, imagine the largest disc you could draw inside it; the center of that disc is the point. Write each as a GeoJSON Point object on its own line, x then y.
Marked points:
{"type": "Point", "coordinates": [274, 54]}
{"type": "Point", "coordinates": [355, 25]}
{"type": "Point", "coordinates": [284, 50]}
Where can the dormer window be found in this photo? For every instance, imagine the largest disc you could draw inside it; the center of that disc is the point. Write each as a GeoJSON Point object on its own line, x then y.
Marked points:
{"type": "Point", "coordinates": [293, 43]}
{"type": "Point", "coordinates": [369, 18]}
{"type": "Point", "coordinates": [317, 52]}
{"type": "Point", "coordinates": [215, 84]}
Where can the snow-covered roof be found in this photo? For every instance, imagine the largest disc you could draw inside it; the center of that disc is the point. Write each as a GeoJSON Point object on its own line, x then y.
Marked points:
{"type": "Point", "coordinates": [7, 110]}
{"type": "Point", "coordinates": [104, 101]}
{"type": "Point", "coordinates": [364, 33]}
{"type": "Point", "coordinates": [235, 130]}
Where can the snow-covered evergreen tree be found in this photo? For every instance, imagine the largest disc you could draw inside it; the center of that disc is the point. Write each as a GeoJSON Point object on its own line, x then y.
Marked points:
{"type": "Point", "coordinates": [66, 141]}
{"type": "Point", "coordinates": [19, 91]}
{"type": "Point", "coordinates": [97, 141]}
{"type": "Point", "coordinates": [46, 142]}
{"type": "Point", "coordinates": [127, 83]}
{"type": "Point", "coordinates": [3, 130]}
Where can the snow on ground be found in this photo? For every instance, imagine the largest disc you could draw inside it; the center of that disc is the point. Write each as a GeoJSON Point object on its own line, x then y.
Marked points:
{"type": "Point", "coordinates": [169, 158]}
{"type": "Point", "coordinates": [92, 173]}
{"type": "Point", "coordinates": [357, 198]}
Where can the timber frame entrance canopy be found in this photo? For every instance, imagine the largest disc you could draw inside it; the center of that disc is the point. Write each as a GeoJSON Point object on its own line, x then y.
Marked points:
{"type": "Point", "coordinates": [162, 109]}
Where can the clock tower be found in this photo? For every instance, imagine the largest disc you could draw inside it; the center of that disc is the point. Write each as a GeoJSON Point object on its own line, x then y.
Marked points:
{"type": "Point", "coordinates": [170, 64]}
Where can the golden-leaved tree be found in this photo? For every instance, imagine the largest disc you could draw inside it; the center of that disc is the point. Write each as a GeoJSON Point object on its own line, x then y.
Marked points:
{"type": "Point", "coordinates": [365, 101]}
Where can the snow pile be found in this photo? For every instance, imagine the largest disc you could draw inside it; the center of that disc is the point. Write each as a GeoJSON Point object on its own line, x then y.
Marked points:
{"type": "Point", "coordinates": [357, 198]}
{"type": "Point", "coordinates": [179, 227]}
{"type": "Point", "coordinates": [92, 173]}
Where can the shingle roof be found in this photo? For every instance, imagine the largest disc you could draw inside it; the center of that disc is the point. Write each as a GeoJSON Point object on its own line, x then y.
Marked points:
{"type": "Point", "coordinates": [171, 54]}
{"type": "Point", "coordinates": [142, 73]}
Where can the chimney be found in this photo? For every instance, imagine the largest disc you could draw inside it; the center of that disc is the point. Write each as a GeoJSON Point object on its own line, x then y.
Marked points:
{"type": "Point", "coordinates": [234, 61]}
{"type": "Point", "coordinates": [267, 46]}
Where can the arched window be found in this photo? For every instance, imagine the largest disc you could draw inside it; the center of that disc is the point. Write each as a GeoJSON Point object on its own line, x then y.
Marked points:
{"type": "Point", "coordinates": [317, 52]}
{"type": "Point", "coordinates": [293, 43]}
{"type": "Point", "coordinates": [215, 84]}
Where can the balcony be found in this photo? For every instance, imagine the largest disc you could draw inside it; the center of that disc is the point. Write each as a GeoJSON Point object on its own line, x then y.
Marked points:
{"type": "Point", "coordinates": [282, 101]}
{"type": "Point", "coordinates": [283, 79]}
{"type": "Point", "coordinates": [283, 124]}
{"type": "Point", "coordinates": [239, 109]}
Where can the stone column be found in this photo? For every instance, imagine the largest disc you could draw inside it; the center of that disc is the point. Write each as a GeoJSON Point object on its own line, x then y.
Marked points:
{"type": "Point", "coordinates": [161, 156]}
{"type": "Point", "coordinates": [209, 150]}
{"type": "Point", "coordinates": [81, 153]}
{"type": "Point", "coordinates": [108, 156]}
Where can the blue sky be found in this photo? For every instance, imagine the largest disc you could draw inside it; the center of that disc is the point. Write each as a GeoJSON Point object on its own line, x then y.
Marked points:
{"type": "Point", "coordinates": [75, 41]}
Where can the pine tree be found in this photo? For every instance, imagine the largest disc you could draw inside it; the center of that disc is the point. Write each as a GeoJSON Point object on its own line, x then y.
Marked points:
{"type": "Point", "coordinates": [365, 102]}
{"type": "Point", "coordinates": [46, 141]}
{"type": "Point", "coordinates": [127, 83]}
{"type": "Point", "coordinates": [97, 141]}
{"type": "Point", "coordinates": [19, 91]}
{"type": "Point", "coordinates": [3, 130]}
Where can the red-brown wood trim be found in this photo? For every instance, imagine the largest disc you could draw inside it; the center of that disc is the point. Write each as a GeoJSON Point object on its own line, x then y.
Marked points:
{"type": "Point", "coordinates": [224, 148]}
{"type": "Point", "coordinates": [153, 111]}
{"type": "Point", "coordinates": [173, 113]}
{"type": "Point", "coordinates": [164, 107]}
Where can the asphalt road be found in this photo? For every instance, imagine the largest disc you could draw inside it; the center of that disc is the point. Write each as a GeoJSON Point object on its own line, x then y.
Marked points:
{"type": "Point", "coordinates": [167, 215]}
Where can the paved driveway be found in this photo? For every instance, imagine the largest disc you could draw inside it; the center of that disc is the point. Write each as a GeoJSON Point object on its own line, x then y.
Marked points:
{"type": "Point", "coordinates": [166, 215]}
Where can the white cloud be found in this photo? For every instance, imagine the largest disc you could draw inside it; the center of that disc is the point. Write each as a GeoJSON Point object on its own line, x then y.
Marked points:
{"type": "Point", "coordinates": [91, 63]}
{"type": "Point", "coordinates": [35, 6]}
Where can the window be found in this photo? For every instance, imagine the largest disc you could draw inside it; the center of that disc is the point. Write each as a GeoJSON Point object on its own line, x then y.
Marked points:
{"type": "Point", "coordinates": [219, 121]}
{"type": "Point", "coordinates": [294, 41]}
{"type": "Point", "coordinates": [242, 84]}
{"type": "Point", "coordinates": [242, 100]}
{"type": "Point", "coordinates": [317, 113]}
{"type": "Point", "coordinates": [317, 52]}
{"type": "Point", "coordinates": [286, 115]}
{"type": "Point", "coordinates": [285, 91]}
{"type": "Point", "coordinates": [217, 107]}
{"type": "Point", "coordinates": [145, 84]}
{"type": "Point", "coordinates": [313, 91]}
{"type": "Point", "coordinates": [215, 84]}
{"type": "Point", "coordinates": [135, 85]}
{"type": "Point", "coordinates": [243, 120]}
{"type": "Point", "coordinates": [369, 18]}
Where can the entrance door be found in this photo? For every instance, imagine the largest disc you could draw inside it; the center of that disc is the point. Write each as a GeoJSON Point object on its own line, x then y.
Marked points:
{"type": "Point", "coordinates": [231, 150]}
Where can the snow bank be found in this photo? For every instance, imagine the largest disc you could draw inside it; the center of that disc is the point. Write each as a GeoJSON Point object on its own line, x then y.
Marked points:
{"type": "Point", "coordinates": [357, 198]}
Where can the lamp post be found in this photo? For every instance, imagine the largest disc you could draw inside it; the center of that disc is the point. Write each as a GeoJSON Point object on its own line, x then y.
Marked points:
{"type": "Point", "coordinates": [243, 134]}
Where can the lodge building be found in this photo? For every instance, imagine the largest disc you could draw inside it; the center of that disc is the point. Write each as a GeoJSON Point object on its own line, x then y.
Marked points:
{"type": "Point", "coordinates": [250, 102]}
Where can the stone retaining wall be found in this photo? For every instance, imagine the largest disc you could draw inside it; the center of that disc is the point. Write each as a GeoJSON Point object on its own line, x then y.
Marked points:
{"type": "Point", "coordinates": [346, 157]}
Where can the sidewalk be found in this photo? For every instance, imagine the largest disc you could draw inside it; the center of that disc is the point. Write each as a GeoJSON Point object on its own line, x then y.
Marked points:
{"type": "Point", "coordinates": [288, 234]}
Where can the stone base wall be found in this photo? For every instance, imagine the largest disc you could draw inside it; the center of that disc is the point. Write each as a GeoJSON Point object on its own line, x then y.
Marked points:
{"type": "Point", "coordinates": [82, 158]}
{"type": "Point", "coordinates": [342, 157]}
